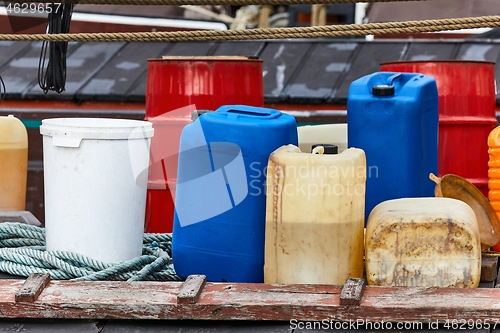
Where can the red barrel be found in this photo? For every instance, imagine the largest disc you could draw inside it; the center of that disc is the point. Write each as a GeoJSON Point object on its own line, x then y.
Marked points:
{"type": "Point", "coordinates": [467, 104]}
{"type": "Point", "coordinates": [176, 86]}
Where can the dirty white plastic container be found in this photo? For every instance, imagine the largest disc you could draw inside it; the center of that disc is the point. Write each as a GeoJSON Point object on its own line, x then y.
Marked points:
{"type": "Point", "coordinates": [95, 173]}
{"type": "Point", "coordinates": [314, 216]}
{"type": "Point", "coordinates": [423, 242]}
{"type": "Point", "coordinates": [333, 134]}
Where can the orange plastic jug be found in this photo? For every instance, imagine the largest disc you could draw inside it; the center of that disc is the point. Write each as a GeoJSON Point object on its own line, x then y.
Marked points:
{"type": "Point", "coordinates": [13, 163]}
{"type": "Point", "coordinates": [494, 173]}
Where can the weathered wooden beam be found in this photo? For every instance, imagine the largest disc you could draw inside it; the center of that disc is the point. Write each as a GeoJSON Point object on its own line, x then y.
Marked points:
{"type": "Point", "coordinates": [352, 291]}
{"type": "Point", "coordinates": [246, 301]}
{"type": "Point", "coordinates": [191, 289]}
{"type": "Point", "coordinates": [32, 287]}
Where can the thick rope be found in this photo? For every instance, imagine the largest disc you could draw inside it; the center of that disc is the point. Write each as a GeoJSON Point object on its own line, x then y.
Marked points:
{"type": "Point", "coordinates": [271, 33]}
{"type": "Point", "coordinates": [23, 252]}
{"type": "Point", "coordinates": [210, 2]}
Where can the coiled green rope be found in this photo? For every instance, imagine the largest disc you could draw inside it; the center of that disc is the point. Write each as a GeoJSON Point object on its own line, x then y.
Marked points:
{"type": "Point", "coordinates": [22, 252]}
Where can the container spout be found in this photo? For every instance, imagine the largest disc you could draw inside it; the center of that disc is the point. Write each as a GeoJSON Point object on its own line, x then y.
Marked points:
{"type": "Point", "coordinates": [324, 149]}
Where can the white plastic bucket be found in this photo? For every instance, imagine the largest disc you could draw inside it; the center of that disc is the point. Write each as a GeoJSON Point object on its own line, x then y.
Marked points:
{"type": "Point", "coordinates": [95, 173]}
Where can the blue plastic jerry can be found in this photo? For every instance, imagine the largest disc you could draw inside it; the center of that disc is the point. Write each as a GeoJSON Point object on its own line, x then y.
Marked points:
{"type": "Point", "coordinates": [220, 206]}
{"type": "Point", "coordinates": [393, 117]}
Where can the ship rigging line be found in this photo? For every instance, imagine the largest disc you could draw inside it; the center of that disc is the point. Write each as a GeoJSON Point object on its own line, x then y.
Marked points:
{"type": "Point", "coordinates": [270, 33]}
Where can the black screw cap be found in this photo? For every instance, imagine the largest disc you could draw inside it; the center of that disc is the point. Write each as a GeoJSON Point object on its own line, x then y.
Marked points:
{"type": "Point", "coordinates": [383, 90]}
{"type": "Point", "coordinates": [329, 149]}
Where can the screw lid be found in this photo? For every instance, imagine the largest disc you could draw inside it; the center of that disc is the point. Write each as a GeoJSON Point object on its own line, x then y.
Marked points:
{"type": "Point", "coordinates": [383, 90]}
{"type": "Point", "coordinates": [328, 148]}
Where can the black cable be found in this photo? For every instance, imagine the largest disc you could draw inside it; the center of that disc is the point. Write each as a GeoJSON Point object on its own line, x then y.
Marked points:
{"type": "Point", "coordinates": [53, 76]}
{"type": "Point", "coordinates": [3, 91]}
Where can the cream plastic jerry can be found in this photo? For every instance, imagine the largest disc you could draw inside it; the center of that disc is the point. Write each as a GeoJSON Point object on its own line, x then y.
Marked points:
{"type": "Point", "coordinates": [314, 216]}
{"type": "Point", "coordinates": [13, 163]}
{"type": "Point", "coordinates": [333, 134]}
{"type": "Point", "coordinates": [423, 242]}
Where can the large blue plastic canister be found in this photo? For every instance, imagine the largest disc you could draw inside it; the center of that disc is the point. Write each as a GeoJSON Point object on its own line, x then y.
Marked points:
{"type": "Point", "coordinates": [220, 204]}
{"type": "Point", "coordinates": [393, 117]}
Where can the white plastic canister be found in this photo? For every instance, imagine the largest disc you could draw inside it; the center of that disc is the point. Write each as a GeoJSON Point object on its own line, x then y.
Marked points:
{"type": "Point", "coordinates": [95, 173]}
{"type": "Point", "coordinates": [314, 216]}
{"type": "Point", "coordinates": [333, 134]}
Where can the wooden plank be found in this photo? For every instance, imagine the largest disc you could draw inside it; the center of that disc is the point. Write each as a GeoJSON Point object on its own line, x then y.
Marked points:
{"type": "Point", "coordinates": [247, 301]}
{"type": "Point", "coordinates": [489, 269]}
{"type": "Point", "coordinates": [191, 289]}
{"type": "Point", "coordinates": [352, 292]}
{"type": "Point", "coordinates": [32, 287]}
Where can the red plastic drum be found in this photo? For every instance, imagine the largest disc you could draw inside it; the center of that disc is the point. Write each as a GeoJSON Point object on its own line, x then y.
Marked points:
{"type": "Point", "coordinates": [467, 104]}
{"type": "Point", "coordinates": [176, 86]}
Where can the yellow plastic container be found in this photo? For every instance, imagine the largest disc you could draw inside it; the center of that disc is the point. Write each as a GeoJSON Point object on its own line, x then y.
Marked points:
{"type": "Point", "coordinates": [334, 134]}
{"type": "Point", "coordinates": [423, 242]}
{"type": "Point", "coordinates": [13, 163]}
{"type": "Point", "coordinates": [314, 216]}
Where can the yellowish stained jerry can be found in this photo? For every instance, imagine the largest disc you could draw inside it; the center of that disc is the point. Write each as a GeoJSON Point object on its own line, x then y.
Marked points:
{"type": "Point", "coordinates": [423, 242]}
{"type": "Point", "coordinates": [13, 163]}
{"type": "Point", "coordinates": [314, 216]}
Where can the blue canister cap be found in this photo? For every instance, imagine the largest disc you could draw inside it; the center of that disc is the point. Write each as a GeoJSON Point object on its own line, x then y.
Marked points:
{"type": "Point", "coordinates": [383, 90]}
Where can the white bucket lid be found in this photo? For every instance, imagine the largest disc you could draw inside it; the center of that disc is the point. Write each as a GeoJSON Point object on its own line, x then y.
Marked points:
{"type": "Point", "coordinates": [69, 132]}
{"type": "Point", "coordinates": [97, 128]}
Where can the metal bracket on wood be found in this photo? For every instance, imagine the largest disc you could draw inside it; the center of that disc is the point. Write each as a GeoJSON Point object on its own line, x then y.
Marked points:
{"type": "Point", "coordinates": [32, 287]}
{"type": "Point", "coordinates": [191, 289]}
{"type": "Point", "coordinates": [352, 292]}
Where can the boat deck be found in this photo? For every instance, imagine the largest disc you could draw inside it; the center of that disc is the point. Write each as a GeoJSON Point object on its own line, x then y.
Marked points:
{"type": "Point", "coordinates": [396, 307]}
